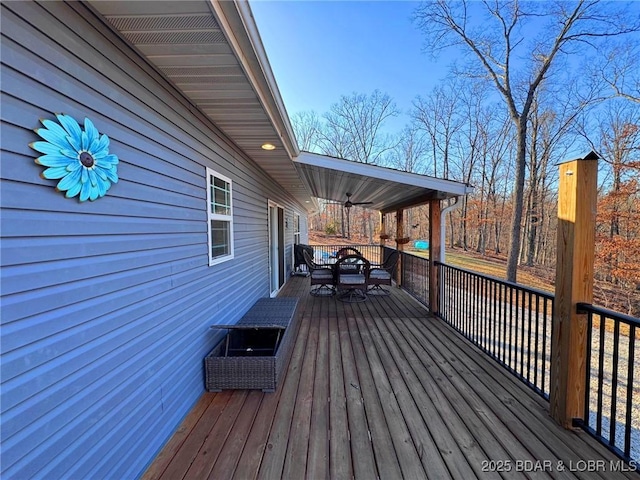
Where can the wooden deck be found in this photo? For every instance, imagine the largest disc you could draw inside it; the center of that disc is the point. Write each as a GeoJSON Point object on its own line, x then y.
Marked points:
{"type": "Point", "coordinates": [379, 390]}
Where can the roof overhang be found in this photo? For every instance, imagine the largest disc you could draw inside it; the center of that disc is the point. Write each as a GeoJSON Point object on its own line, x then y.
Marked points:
{"type": "Point", "coordinates": [211, 51]}
{"type": "Point", "coordinates": [387, 189]}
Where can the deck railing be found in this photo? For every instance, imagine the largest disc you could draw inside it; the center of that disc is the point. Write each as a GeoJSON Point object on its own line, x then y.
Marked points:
{"type": "Point", "coordinates": [371, 252]}
{"type": "Point", "coordinates": [612, 408]}
{"type": "Point", "coordinates": [415, 276]}
{"type": "Point", "coordinates": [510, 322]}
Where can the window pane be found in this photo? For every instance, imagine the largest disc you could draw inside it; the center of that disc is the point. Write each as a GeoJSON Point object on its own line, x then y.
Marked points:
{"type": "Point", "coordinates": [220, 238]}
{"type": "Point", "coordinates": [212, 195]}
{"type": "Point", "coordinates": [222, 210]}
{"type": "Point", "coordinates": [220, 197]}
{"type": "Point", "coordinates": [219, 183]}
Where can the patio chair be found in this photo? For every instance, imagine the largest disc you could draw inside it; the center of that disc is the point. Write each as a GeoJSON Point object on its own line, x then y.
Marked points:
{"type": "Point", "coordinates": [322, 278]}
{"type": "Point", "coordinates": [352, 276]}
{"type": "Point", "coordinates": [382, 274]}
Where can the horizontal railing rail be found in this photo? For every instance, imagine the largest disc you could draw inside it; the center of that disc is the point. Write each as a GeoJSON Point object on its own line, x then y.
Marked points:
{"type": "Point", "coordinates": [510, 322]}
{"type": "Point", "coordinates": [612, 381]}
{"type": "Point", "coordinates": [372, 252]}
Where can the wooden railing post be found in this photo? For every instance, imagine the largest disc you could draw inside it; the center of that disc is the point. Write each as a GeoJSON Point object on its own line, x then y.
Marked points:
{"type": "Point", "coordinates": [399, 246]}
{"type": "Point", "coordinates": [434, 255]}
{"type": "Point", "coordinates": [577, 191]}
{"type": "Point", "coordinates": [383, 231]}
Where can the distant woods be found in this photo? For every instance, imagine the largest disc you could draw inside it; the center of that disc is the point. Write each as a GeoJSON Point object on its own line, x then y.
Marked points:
{"type": "Point", "coordinates": [533, 84]}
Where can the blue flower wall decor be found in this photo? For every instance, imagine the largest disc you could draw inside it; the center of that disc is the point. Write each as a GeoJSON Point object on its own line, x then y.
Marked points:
{"type": "Point", "coordinates": [79, 158]}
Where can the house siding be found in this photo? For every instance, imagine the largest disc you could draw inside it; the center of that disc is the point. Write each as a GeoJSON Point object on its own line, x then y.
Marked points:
{"type": "Point", "coordinates": [106, 305]}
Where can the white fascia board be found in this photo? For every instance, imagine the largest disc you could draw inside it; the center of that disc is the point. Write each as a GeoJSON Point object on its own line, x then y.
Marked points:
{"type": "Point", "coordinates": [383, 173]}
{"type": "Point", "coordinates": [279, 118]}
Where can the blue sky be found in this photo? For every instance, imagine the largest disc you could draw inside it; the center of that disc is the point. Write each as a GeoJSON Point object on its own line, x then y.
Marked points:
{"type": "Point", "coordinates": [321, 50]}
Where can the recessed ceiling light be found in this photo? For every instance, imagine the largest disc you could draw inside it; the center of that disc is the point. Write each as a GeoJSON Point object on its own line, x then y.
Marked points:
{"type": "Point", "coordinates": [268, 146]}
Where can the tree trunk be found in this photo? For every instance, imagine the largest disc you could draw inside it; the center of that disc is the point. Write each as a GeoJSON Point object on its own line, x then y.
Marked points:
{"type": "Point", "coordinates": [516, 219]}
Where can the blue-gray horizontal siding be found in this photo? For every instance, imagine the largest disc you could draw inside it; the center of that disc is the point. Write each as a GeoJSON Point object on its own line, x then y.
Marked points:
{"type": "Point", "coordinates": [106, 305]}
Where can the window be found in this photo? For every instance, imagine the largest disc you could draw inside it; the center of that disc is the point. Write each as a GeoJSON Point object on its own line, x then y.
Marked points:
{"type": "Point", "coordinates": [219, 217]}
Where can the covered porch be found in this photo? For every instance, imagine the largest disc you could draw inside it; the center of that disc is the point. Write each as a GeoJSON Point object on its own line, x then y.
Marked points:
{"type": "Point", "coordinates": [380, 389]}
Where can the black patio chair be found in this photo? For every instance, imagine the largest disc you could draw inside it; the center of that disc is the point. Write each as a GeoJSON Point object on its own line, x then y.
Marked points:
{"type": "Point", "coordinates": [352, 277]}
{"type": "Point", "coordinates": [382, 274]}
{"type": "Point", "coordinates": [322, 277]}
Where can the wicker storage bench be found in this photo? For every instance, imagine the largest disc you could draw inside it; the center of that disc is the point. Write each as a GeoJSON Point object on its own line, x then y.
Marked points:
{"type": "Point", "coordinates": [255, 351]}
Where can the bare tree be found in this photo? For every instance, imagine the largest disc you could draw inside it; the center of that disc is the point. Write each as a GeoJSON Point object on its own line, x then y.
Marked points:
{"type": "Point", "coordinates": [621, 71]}
{"type": "Point", "coordinates": [437, 116]}
{"type": "Point", "coordinates": [308, 130]}
{"type": "Point", "coordinates": [515, 66]}
{"type": "Point", "coordinates": [409, 151]}
{"type": "Point", "coordinates": [353, 127]}
{"type": "Point", "coordinates": [553, 114]}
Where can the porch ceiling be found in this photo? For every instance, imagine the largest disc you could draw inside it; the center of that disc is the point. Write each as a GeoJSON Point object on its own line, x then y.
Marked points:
{"type": "Point", "coordinates": [212, 52]}
{"type": "Point", "coordinates": [388, 189]}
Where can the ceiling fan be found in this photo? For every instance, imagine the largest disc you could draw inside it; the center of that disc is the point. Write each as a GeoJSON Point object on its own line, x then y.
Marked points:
{"type": "Point", "coordinates": [349, 203]}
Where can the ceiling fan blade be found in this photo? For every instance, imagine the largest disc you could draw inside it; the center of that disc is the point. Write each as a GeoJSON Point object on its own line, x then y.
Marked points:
{"type": "Point", "coordinates": [362, 203]}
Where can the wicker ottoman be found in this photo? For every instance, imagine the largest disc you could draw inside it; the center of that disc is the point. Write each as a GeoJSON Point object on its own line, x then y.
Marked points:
{"type": "Point", "coordinates": [256, 349]}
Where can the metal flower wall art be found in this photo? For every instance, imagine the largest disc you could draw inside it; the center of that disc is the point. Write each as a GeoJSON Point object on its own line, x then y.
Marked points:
{"type": "Point", "coordinates": [79, 158]}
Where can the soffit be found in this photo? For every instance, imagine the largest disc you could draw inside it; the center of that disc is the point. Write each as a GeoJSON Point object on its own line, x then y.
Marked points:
{"type": "Point", "coordinates": [207, 51]}
{"type": "Point", "coordinates": [388, 189]}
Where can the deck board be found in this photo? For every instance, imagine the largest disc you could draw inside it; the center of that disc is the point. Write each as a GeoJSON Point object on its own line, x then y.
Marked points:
{"type": "Point", "coordinates": [318, 456]}
{"type": "Point", "coordinates": [377, 389]}
{"type": "Point", "coordinates": [340, 464]}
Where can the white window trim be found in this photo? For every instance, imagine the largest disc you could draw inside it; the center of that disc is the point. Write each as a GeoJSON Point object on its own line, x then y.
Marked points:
{"type": "Point", "coordinates": [217, 216]}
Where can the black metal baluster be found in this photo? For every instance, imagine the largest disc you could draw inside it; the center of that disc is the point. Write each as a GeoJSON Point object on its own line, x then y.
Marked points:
{"type": "Point", "coordinates": [476, 321]}
{"type": "Point", "coordinates": [472, 325]}
{"type": "Point", "coordinates": [587, 377]}
{"type": "Point", "coordinates": [484, 315]}
{"type": "Point", "coordinates": [445, 280]}
{"type": "Point", "coordinates": [544, 345]}
{"type": "Point", "coordinates": [426, 266]}
{"type": "Point", "coordinates": [501, 324]}
{"type": "Point", "coordinates": [529, 338]}
{"type": "Point", "coordinates": [494, 318]}
{"type": "Point", "coordinates": [522, 338]}
{"type": "Point", "coordinates": [461, 309]}
{"type": "Point", "coordinates": [629, 406]}
{"type": "Point", "coordinates": [614, 384]}
{"type": "Point", "coordinates": [510, 324]}
{"type": "Point", "coordinates": [490, 317]}
{"type": "Point", "coordinates": [600, 377]}
{"type": "Point", "coordinates": [458, 299]}
{"type": "Point", "coordinates": [467, 285]}
{"type": "Point", "coordinates": [536, 342]}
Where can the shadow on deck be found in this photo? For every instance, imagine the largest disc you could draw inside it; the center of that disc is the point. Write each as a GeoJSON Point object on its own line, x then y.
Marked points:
{"type": "Point", "coordinates": [380, 389]}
